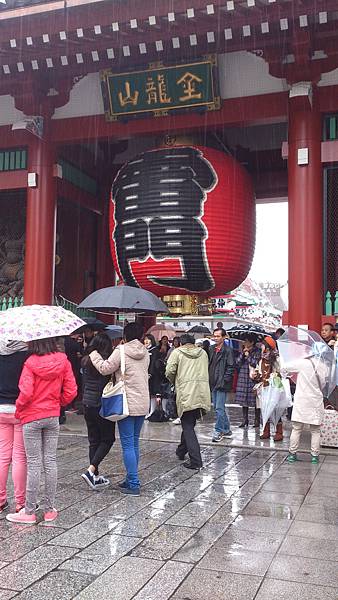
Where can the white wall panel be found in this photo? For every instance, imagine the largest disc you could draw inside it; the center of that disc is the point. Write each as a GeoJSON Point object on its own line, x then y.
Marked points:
{"type": "Point", "coordinates": [85, 99]}
{"type": "Point", "coordinates": [8, 113]}
{"type": "Point", "coordinates": [245, 74]}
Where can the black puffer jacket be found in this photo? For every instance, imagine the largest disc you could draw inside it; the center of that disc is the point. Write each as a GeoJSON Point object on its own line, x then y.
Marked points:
{"type": "Point", "coordinates": [93, 385]}
{"type": "Point", "coordinates": [10, 371]}
{"type": "Point", "coordinates": [221, 368]}
{"type": "Point", "coordinates": [156, 371]}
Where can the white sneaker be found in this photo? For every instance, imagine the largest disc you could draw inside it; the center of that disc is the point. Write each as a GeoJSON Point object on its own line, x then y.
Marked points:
{"type": "Point", "coordinates": [101, 481]}
{"type": "Point", "coordinates": [176, 421]}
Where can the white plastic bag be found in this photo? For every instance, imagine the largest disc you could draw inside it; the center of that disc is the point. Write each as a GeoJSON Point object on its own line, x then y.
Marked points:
{"type": "Point", "coordinates": [285, 401]}
{"type": "Point", "coordinates": [270, 397]}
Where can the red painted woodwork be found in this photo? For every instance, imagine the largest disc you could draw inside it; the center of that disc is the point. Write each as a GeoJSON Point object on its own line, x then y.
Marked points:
{"type": "Point", "coordinates": [20, 23]}
{"type": "Point", "coordinates": [40, 223]}
{"type": "Point", "coordinates": [87, 16]}
{"type": "Point", "coordinates": [13, 180]}
{"type": "Point", "coordinates": [305, 217]}
{"type": "Point", "coordinates": [77, 229]}
{"type": "Point", "coordinates": [271, 108]}
{"type": "Point", "coordinates": [250, 110]}
{"type": "Point", "coordinates": [234, 112]}
{"type": "Point", "coordinates": [227, 214]}
{"type": "Point", "coordinates": [70, 192]}
{"type": "Point", "coordinates": [105, 272]}
{"type": "Point", "coordinates": [270, 185]}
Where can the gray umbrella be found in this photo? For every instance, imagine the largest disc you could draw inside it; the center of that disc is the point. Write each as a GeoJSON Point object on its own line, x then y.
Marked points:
{"type": "Point", "coordinates": [126, 299]}
{"type": "Point", "coordinates": [115, 332]}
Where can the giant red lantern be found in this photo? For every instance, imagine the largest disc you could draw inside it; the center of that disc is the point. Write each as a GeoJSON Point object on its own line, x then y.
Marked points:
{"type": "Point", "coordinates": [182, 221]}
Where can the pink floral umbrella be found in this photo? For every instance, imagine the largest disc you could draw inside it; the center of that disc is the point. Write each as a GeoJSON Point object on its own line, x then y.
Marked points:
{"type": "Point", "coordinates": [35, 322]}
{"type": "Point", "coordinates": [158, 331]}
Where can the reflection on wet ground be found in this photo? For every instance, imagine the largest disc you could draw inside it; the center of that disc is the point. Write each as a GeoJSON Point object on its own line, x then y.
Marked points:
{"type": "Point", "coordinates": [248, 526]}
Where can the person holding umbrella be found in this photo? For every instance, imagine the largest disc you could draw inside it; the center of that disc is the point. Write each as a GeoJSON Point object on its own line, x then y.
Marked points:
{"type": "Point", "coordinates": [306, 357]}
{"type": "Point", "coordinates": [308, 402]}
{"type": "Point", "coordinates": [46, 383]}
{"type": "Point", "coordinates": [267, 366]}
{"type": "Point", "coordinates": [246, 362]}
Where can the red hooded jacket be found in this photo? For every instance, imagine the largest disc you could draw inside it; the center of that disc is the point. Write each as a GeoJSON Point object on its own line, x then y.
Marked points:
{"type": "Point", "coordinates": [46, 383]}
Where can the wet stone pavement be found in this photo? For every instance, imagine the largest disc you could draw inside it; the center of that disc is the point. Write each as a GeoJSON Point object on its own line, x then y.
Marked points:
{"type": "Point", "coordinates": [248, 526]}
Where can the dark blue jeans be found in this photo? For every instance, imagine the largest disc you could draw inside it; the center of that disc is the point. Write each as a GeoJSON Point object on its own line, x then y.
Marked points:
{"type": "Point", "coordinates": [129, 430]}
{"type": "Point", "coordinates": [222, 424]}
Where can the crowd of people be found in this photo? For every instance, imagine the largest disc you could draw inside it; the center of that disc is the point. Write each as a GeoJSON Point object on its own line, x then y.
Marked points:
{"type": "Point", "coordinates": [173, 381]}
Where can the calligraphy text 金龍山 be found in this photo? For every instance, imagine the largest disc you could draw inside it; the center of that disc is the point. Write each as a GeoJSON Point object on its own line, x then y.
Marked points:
{"type": "Point", "coordinates": [153, 90]}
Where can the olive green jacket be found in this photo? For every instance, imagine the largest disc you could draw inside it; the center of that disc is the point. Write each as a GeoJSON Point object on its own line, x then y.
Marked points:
{"type": "Point", "coordinates": [187, 369]}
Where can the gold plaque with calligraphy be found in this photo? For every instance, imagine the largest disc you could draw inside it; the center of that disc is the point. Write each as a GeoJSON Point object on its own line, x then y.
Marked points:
{"type": "Point", "coordinates": [158, 90]}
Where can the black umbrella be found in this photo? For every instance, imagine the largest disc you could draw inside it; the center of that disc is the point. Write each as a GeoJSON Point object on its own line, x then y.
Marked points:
{"type": "Point", "coordinates": [115, 332]}
{"type": "Point", "coordinates": [200, 329]}
{"type": "Point", "coordinates": [124, 298]}
{"type": "Point", "coordinates": [240, 332]}
{"type": "Point", "coordinates": [94, 324]}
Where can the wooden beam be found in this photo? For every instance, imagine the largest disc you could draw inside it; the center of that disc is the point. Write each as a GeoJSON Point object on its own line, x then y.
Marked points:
{"type": "Point", "coordinates": [13, 180]}
{"type": "Point", "coordinates": [103, 14]}
{"type": "Point", "coordinates": [70, 192]}
{"type": "Point", "coordinates": [270, 108]}
{"type": "Point", "coordinates": [235, 112]}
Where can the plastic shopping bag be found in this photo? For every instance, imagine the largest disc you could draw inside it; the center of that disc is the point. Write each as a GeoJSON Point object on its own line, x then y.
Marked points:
{"type": "Point", "coordinates": [285, 401]}
{"type": "Point", "coordinates": [270, 397]}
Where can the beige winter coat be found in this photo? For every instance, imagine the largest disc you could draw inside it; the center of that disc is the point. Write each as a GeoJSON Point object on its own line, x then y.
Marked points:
{"type": "Point", "coordinates": [136, 376]}
{"type": "Point", "coordinates": [187, 369]}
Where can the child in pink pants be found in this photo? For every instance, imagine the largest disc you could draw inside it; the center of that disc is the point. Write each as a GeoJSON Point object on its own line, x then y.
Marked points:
{"type": "Point", "coordinates": [12, 450]}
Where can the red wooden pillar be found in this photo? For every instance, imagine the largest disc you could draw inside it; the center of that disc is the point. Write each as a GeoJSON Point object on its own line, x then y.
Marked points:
{"type": "Point", "coordinates": [41, 222]}
{"type": "Point", "coordinates": [305, 216]}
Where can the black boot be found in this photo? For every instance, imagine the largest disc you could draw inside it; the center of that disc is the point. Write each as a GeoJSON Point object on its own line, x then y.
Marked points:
{"type": "Point", "coordinates": [245, 422]}
{"type": "Point", "coordinates": [257, 418]}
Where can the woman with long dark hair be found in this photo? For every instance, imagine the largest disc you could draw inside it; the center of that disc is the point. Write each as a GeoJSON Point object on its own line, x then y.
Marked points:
{"type": "Point", "coordinates": [46, 383]}
{"type": "Point", "coordinates": [245, 394]}
{"type": "Point", "coordinates": [155, 372]}
{"type": "Point", "coordinates": [101, 432]}
{"type": "Point", "coordinates": [137, 392]}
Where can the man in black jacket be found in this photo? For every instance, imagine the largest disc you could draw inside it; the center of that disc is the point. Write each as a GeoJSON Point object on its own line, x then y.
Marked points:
{"type": "Point", "coordinates": [221, 369]}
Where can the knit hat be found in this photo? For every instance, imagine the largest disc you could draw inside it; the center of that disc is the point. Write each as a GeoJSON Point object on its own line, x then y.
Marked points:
{"type": "Point", "coordinates": [269, 341]}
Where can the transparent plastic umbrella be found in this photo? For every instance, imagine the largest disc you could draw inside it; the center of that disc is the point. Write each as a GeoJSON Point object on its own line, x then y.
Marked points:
{"type": "Point", "coordinates": [297, 345]}
{"type": "Point", "coordinates": [269, 397]}
{"type": "Point", "coordinates": [285, 401]}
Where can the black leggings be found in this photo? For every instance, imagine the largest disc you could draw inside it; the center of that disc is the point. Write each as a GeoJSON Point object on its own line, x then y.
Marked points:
{"type": "Point", "coordinates": [101, 435]}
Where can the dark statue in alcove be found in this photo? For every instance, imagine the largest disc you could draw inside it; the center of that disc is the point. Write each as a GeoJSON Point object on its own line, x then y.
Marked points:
{"type": "Point", "coordinates": [12, 243]}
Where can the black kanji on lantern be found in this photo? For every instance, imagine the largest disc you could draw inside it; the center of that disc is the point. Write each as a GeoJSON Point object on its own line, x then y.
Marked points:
{"type": "Point", "coordinates": [159, 200]}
